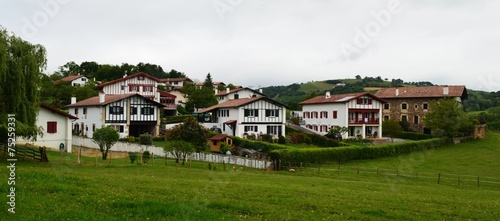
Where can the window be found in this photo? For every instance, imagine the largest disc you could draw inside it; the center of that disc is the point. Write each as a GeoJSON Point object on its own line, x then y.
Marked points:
{"type": "Point", "coordinates": [251, 112]}
{"type": "Point", "coordinates": [118, 128]}
{"type": "Point", "coordinates": [115, 110]}
{"type": "Point", "coordinates": [93, 127]}
{"type": "Point", "coordinates": [404, 106]}
{"type": "Point", "coordinates": [416, 106]}
{"type": "Point", "coordinates": [386, 106]}
{"type": "Point", "coordinates": [236, 96]}
{"type": "Point", "coordinates": [147, 111]}
{"type": "Point", "coordinates": [221, 98]}
{"type": "Point", "coordinates": [334, 114]}
{"type": "Point", "coordinates": [274, 130]}
{"type": "Point", "coordinates": [140, 78]}
{"type": "Point", "coordinates": [223, 113]}
{"type": "Point", "coordinates": [425, 106]}
{"type": "Point", "coordinates": [306, 114]}
{"type": "Point", "coordinates": [314, 114]}
{"type": "Point", "coordinates": [251, 128]}
{"type": "Point", "coordinates": [323, 128]}
{"type": "Point", "coordinates": [122, 87]}
{"type": "Point", "coordinates": [76, 111]}
{"type": "Point", "coordinates": [386, 117]}
{"type": "Point", "coordinates": [272, 113]}
{"type": "Point", "coordinates": [84, 110]}
{"type": "Point", "coordinates": [323, 114]}
{"type": "Point", "coordinates": [364, 101]}
{"type": "Point", "coordinates": [415, 119]}
{"type": "Point", "coordinates": [147, 88]}
{"type": "Point", "coordinates": [404, 118]}
{"type": "Point", "coordinates": [133, 110]}
{"type": "Point", "coordinates": [175, 83]}
{"type": "Point", "coordinates": [84, 79]}
{"type": "Point", "coordinates": [133, 88]}
{"type": "Point", "coordinates": [51, 127]}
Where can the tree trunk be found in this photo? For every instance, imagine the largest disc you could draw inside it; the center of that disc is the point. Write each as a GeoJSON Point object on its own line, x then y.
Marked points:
{"type": "Point", "coordinates": [104, 155]}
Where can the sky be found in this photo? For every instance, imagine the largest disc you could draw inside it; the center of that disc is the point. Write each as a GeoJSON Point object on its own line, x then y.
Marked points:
{"type": "Point", "coordinates": [259, 43]}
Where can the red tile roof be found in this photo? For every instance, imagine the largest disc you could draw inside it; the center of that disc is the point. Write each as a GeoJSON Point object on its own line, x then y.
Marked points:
{"type": "Point", "coordinates": [68, 79]}
{"type": "Point", "coordinates": [166, 94]}
{"type": "Point", "coordinates": [422, 92]}
{"type": "Point", "coordinates": [128, 77]}
{"type": "Point", "coordinates": [174, 79]}
{"type": "Point", "coordinates": [219, 137]}
{"type": "Point", "coordinates": [94, 101]}
{"type": "Point", "coordinates": [238, 103]}
{"type": "Point", "coordinates": [338, 98]}
{"type": "Point", "coordinates": [57, 111]}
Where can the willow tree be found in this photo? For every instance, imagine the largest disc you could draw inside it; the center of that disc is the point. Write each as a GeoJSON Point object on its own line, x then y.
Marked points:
{"type": "Point", "coordinates": [21, 66]}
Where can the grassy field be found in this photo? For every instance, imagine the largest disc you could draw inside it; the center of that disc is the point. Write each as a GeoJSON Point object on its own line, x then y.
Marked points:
{"type": "Point", "coordinates": [315, 85]}
{"type": "Point", "coordinates": [64, 190]}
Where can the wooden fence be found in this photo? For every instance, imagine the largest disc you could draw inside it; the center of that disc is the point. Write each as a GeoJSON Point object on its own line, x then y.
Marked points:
{"type": "Point", "coordinates": [35, 153]}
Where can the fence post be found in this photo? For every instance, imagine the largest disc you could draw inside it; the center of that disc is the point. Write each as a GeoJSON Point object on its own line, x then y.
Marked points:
{"type": "Point", "coordinates": [79, 155]}
{"type": "Point", "coordinates": [439, 177]}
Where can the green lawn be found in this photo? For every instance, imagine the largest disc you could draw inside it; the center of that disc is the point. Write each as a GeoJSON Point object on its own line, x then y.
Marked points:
{"type": "Point", "coordinates": [63, 190]}
{"type": "Point", "coordinates": [315, 85]}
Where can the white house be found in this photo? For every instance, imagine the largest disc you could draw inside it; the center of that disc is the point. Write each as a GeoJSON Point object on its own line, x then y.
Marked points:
{"type": "Point", "coordinates": [175, 82]}
{"type": "Point", "coordinates": [143, 84]}
{"type": "Point", "coordinates": [74, 80]}
{"type": "Point", "coordinates": [129, 114]}
{"type": "Point", "coordinates": [359, 112]}
{"type": "Point", "coordinates": [56, 129]}
{"type": "Point", "coordinates": [250, 115]}
{"type": "Point", "coordinates": [241, 92]}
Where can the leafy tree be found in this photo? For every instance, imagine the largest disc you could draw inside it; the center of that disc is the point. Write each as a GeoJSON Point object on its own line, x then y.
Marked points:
{"type": "Point", "coordinates": [231, 86]}
{"type": "Point", "coordinates": [190, 131]}
{"type": "Point", "coordinates": [198, 98]}
{"type": "Point", "coordinates": [21, 66]}
{"type": "Point", "coordinates": [68, 69]}
{"type": "Point", "coordinates": [358, 77]}
{"type": "Point", "coordinates": [392, 128]}
{"type": "Point", "coordinates": [88, 68]}
{"type": "Point", "coordinates": [180, 149]}
{"type": "Point", "coordinates": [447, 118]}
{"type": "Point", "coordinates": [337, 132]}
{"type": "Point", "coordinates": [175, 74]}
{"type": "Point", "coordinates": [105, 137]}
{"type": "Point", "coordinates": [221, 87]}
{"type": "Point", "coordinates": [151, 69]}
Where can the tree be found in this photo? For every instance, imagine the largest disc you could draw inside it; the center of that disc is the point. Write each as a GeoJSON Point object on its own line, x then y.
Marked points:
{"type": "Point", "coordinates": [447, 119]}
{"type": "Point", "coordinates": [198, 97]}
{"type": "Point", "coordinates": [175, 74]}
{"type": "Point", "coordinates": [70, 68]}
{"type": "Point", "coordinates": [208, 83]}
{"type": "Point", "coordinates": [190, 131]}
{"type": "Point", "coordinates": [392, 128]}
{"type": "Point", "coordinates": [180, 149]}
{"type": "Point", "coordinates": [21, 66]}
{"type": "Point", "coordinates": [88, 68]}
{"type": "Point", "coordinates": [105, 137]}
{"type": "Point", "coordinates": [337, 132]}
{"type": "Point", "coordinates": [358, 77]}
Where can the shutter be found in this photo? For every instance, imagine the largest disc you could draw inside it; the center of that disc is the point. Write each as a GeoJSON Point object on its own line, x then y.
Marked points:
{"type": "Point", "coordinates": [256, 112]}
{"type": "Point", "coordinates": [304, 115]}
{"type": "Point", "coordinates": [369, 101]}
{"type": "Point", "coordinates": [276, 113]}
{"type": "Point", "coordinates": [326, 114]}
{"type": "Point", "coordinates": [246, 113]}
{"type": "Point", "coordinates": [268, 113]}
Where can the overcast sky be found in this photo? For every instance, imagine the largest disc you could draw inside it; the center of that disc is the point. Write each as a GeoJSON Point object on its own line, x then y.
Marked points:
{"type": "Point", "coordinates": [273, 42]}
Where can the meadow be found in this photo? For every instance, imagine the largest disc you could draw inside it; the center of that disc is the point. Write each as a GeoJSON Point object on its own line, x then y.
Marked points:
{"type": "Point", "coordinates": [64, 190]}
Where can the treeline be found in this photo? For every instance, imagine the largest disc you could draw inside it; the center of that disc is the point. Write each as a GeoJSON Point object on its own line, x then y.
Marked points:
{"type": "Point", "coordinates": [481, 100]}
{"type": "Point", "coordinates": [108, 72]}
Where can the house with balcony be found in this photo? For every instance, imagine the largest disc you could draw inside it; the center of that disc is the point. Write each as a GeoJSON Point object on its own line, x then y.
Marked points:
{"type": "Point", "coordinates": [359, 112]}
{"type": "Point", "coordinates": [410, 104]}
{"type": "Point", "coordinates": [129, 114]}
{"type": "Point", "coordinates": [143, 84]}
{"type": "Point", "coordinates": [244, 116]}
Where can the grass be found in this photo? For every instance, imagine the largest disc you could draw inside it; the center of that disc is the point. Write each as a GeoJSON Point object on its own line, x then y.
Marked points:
{"type": "Point", "coordinates": [63, 190]}
{"type": "Point", "coordinates": [315, 85]}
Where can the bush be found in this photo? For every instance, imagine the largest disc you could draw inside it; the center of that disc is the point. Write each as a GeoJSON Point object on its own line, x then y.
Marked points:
{"type": "Point", "coordinates": [350, 153]}
{"type": "Point", "coordinates": [176, 119]}
{"type": "Point", "coordinates": [146, 139]}
{"type": "Point", "coordinates": [131, 139]}
{"type": "Point", "coordinates": [145, 156]}
{"type": "Point", "coordinates": [123, 140]}
{"type": "Point", "coordinates": [267, 138]}
{"type": "Point", "coordinates": [224, 147]}
{"type": "Point", "coordinates": [158, 138]}
{"type": "Point", "coordinates": [414, 136]}
{"type": "Point", "coordinates": [133, 156]}
{"type": "Point", "coordinates": [281, 140]}
{"type": "Point", "coordinates": [257, 145]}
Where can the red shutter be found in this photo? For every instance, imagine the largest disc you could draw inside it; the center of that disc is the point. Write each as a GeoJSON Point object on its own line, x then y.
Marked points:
{"type": "Point", "coordinates": [326, 114]}
{"type": "Point", "coordinates": [334, 114]}
{"type": "Point", "coordinates": [304, 115]}
{"type": "Point", "coordinates": [358, 101]}
{"type": "Point", "coordinates": [369, 101]}
{"type": "Point", "coordinates": [51, 127]}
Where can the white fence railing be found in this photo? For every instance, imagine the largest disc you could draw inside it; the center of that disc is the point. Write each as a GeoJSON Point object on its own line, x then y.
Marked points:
{"type": "Point", "coordinates": [158, 151]}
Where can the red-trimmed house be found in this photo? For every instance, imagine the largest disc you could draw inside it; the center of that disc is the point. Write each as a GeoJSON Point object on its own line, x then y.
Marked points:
{"type": "Point", "coordinates": [239, 92]}
{"type": "Point", "coordinates": [359, 112]}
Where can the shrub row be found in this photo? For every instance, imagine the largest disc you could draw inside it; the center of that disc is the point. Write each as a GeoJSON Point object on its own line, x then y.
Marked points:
{"type": "Point", "coordinates": [350, 153]}
{"type": "Point", "coordinates": [315, 139]}
{"type": "Point", "coordinates": [414, 136]}
{"type": "Point", "coordinates": [176, 119]}
{"type": "Point", "coordinates": [257, 145]}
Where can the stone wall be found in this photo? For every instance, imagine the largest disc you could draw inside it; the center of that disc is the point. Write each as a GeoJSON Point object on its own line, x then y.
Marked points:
{"type": "Point", "coordinates": [415, 107]}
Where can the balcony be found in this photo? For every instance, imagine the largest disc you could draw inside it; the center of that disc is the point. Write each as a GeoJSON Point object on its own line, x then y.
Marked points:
{"type": "Point", "coordinates": [169, 106]}
{"type": "Point", "coordinates": [365, 121]}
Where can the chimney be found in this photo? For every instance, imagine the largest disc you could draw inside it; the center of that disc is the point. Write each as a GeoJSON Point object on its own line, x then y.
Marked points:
{"type": "Point", "coordinates": [327, 95]}
{"type": "Point", "coordinates": [125, 75]}
{"type": "Point", "coordinates": [397, 92]}
{"type": "Point", "coordinates": [227, 90]}
{"type": "Point", "coordinates": [73, 99]}
{"type": "Point", "coordinates": [102, 97]}
{"type": "Point", "coordinates": [260, 90]}
{"type": "Point", "coordinates": [446, 90]}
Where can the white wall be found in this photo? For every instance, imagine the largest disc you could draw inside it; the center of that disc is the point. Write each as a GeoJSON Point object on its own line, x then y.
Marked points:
{"type": "Point", "coordinates": [80, 81]}
{"type": "Point", "coordinates": [92, 117]}
{"type": "Point", "coordinates": [52, 140]}
{"type": "Point", "coordinates": [116, 87]}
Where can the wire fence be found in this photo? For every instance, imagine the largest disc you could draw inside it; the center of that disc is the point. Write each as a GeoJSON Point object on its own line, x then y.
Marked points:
{"type": "Point", "coordinates": [394, 175]}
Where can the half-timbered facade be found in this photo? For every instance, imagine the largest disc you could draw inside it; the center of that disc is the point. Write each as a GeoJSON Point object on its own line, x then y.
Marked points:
{"type": "Point", "coordinates": [245, 116]}
{"type": "Point", "coordinates": [129, 114]}
{"type": "Point", "coordinates": [242, 92]}
{"type": "Point", "coordinates": [410, 104]}
{"type": "Point", "coordinates": [359, 112]}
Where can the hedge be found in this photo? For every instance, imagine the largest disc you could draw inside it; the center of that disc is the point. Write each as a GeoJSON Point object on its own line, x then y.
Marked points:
{"type": "Point", "coordinates": [350, 153]}
{"type": "Point", "coordinates": [316, 139]}
{"type": "Point", "coordinates": [176, 119]}
{"type": "Point", "coordinates": [257, 145]}
{"type": "Point", "coordinates": [414, 136]}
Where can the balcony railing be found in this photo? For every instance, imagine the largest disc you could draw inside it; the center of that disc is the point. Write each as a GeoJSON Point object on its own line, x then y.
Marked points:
{"type": "Point", "coordinates": [365, 121]}
{"type": "Point", "coordinates": [170, 106]}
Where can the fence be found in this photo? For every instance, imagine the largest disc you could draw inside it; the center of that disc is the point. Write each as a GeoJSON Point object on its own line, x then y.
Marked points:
{"type": "Point", "coordinates": [158, 151]}
{"type": "Point", "coordinates": [36, 153]}
{"type": "Point", "coordinates": [395, 175]}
